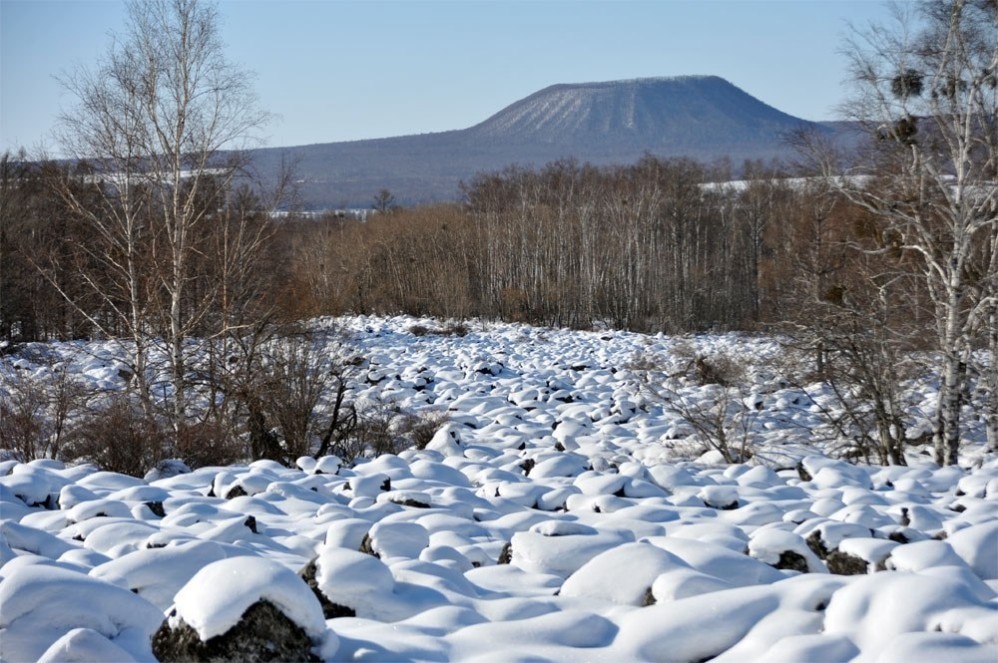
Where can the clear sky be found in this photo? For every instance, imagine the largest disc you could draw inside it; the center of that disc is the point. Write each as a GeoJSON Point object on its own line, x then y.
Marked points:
{"type": "Point", "coordinates": [334, 70]}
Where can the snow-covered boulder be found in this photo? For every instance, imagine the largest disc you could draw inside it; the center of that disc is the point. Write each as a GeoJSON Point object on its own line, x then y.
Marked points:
{"type": "Point", "coordinates": [872, 611]}
{"type": "Point", "coordinates": [246, 609]}
{"type": "Point", "coordinates": [622, 575]}
{"type": "Point", "coordinates": [784, 550]}
{"type": "Point", "coordinates": [157, 574]}
{"type": "Point", "coordinates": [978, 546]}
{"type": "Point", "coordinates": [348, 582]}
{"type": "Point", "coordinates": [84, 645]}
{"type": "Point", "coordinates": [735, 568]}
{"type": "Point", "coordinates": [389, 540]}
{"type": "Point", "coordinates": [550, 551]}
{"type": "Point", "coordinates": [447, 440]}
{"type": "Point", "coordinates": [41, 603]}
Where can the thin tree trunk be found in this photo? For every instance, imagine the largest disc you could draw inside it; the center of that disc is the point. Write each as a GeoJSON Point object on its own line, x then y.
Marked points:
{"type": "Point", "coordinates": [991, 416]}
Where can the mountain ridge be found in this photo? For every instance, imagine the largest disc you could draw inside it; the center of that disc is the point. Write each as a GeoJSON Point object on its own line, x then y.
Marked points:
{"type": "Point", "coordinates": [702, 117]}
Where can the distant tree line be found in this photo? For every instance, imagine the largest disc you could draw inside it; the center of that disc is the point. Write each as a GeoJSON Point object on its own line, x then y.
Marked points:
{"type": "Point", "coordinates": [655, 246]}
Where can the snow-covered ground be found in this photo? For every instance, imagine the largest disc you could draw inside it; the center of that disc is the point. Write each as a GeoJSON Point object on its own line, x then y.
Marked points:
{"type": "Point", "coordinates": [562, 513]}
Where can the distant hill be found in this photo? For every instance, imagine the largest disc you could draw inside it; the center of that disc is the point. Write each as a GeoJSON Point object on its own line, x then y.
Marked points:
{"type": "Point", "coordinates": [701, 117]}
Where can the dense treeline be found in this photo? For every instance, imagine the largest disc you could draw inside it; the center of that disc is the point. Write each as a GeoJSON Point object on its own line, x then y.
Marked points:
{"type": "Point", "coordinates": [659, 246]}
{"type": "Point", "coordinates": [61, 279]}
{"type": "Point", "coordinates": [656, 246]}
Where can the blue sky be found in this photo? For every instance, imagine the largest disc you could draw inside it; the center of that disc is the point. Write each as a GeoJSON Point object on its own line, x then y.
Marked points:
{"type": "Point", "coordinates": [336, 70]}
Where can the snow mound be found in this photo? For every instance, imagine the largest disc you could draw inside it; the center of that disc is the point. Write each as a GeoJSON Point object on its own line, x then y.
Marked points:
{"type": "Point", "coordinates": [561, 513]}
{"type": "Point", "coordinates": [622, 575]}
{"type": "Point", "coordinates": [215, 598]}
{"type": "Point", "coordinates": [41, 604]}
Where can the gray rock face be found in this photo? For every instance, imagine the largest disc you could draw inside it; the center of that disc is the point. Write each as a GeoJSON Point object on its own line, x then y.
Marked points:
{"type": "Point", "coordinates": [263, 633]}
{"type": "Point", "coordinates": [330, 610]}
{"type": "Point", "coordinates": [789, 560]}
{"type": "Point", "coordinates": [838, 562]}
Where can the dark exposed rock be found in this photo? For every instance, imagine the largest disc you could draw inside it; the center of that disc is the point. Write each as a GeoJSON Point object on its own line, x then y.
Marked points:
{"type": "Point", "coordinates": [330, 610]}
{"type": "Point", "coordinates": [250, 523]}
{"type": "Point", "coordinates": [528, 465]}
{"type": "Point", "coordinates": [838, 562]}
{"type": "Point", "coordinates": [720, 506]}
{"type": "Point", "coordinates": [410, 502]}
{"type": "Point", "coordinates": [506, 554]}
{"type": "Point", "coordinates": [816, 545]}
{"type": "Point", "coordinates": [263, 633]}
{"type": "Point", "coordinates": [156, 508]}
{"type": "Point", "coordinates": [367, 546]}
{"type": "Point", "coordinates": [844, 564]}
{"type": "Point", "coordinates": [803, 473]}
{"type": "Point", "coordinates": [792, 561]}
{"type": "Point", "coordinates": [898, 537]}
{"type": "Point", "coordinates": [235, 491]}
{"type": "Point", "coordinates": [649, 598]}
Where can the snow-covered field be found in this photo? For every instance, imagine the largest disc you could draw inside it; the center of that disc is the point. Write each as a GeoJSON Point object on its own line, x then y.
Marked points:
{"type": "Point", "coordinates": [560, 514]}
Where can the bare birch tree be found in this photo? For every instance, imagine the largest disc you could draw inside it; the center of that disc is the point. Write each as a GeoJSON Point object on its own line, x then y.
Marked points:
{"type": "Point", "coordinates": [926, 88]}
{"type": "Point", "coordinates": [152, 118]}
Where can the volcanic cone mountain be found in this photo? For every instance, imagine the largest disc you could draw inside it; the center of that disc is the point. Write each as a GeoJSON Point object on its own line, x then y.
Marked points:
{"type": "Point", "coordinates": [701, 117]}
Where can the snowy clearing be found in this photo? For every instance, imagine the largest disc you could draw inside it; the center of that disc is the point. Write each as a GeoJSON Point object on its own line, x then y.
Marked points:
{"type": "Point", "coordinates": [561, 514]}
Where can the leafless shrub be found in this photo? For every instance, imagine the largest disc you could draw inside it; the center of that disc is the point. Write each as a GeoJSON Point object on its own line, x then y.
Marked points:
{"type": "Point", "coordinates": [22, 417]}
{"type": "Point", "coordinates": [283, 397]}
{"type": "Point", "coordinates": [455, 329]}
{"type": "Point", "coordinates": [377, 432]}
{"type": "Point", "coordinates": [858, 392]}
{"type": "Point", "coordinates": [644, 362]}
{"type": "Point", "coordinates": [36, 413]}
{"type": "Point", "coordinates": [451, 329]}
{"type": "Point", "coordinates": [721, 419]}
{"type": "Point", "coordinates": [720, 368]}
{"type": "Point", "coordinates": [717, 412]}
{"type": "Point", "coordinates": [294, 383]}
{"type": "Point", "coordinates": [385, 428]}
{"type": "Point", "coordinates": [118, 437]}
{"type": "Point", "coordinates": [208, 442]}
{"type": "Point", "coordinates": [420, 428]}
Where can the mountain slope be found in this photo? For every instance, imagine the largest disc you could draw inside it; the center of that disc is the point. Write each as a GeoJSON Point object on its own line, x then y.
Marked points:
{"type": "Point", "coordinates": [701, 117]}
{"type": "Point", "coordinates": [690, 111]}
